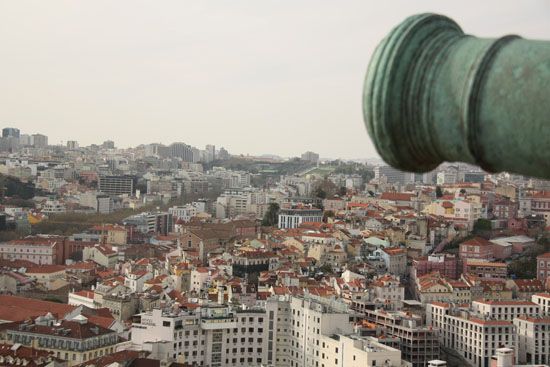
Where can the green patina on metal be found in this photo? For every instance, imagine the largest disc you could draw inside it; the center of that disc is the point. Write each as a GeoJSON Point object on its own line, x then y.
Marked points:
{"type": "Point", "coordinates": [434, 94]}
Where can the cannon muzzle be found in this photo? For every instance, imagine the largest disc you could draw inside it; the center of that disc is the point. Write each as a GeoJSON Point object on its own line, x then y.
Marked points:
{"type": "Point", "coordinates": [434, 94]}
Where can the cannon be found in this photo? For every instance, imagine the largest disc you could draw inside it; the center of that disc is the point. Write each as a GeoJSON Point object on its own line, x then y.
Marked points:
{"type": "Point", "coordinates": [433, 93]}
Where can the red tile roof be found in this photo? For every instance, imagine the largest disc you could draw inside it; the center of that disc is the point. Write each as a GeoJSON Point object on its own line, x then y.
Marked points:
{"type": "Point", "coordinates": [22, 352]}
{"type": "Point", "coordinates": [507, 303]}
{"type": "Point", "coordinates": [45, 269]}
{"type": "Point", "coordinates": [396, 196]}
{"type": "Point", "coordinates": [85, 293]}
{"type": "Point", "coordinates": [477, 241]}
{"type": "Point", "coordinates": [536, 320]}
{"type": "Point", "coordinates": [447, 204]}
{"type": "Point", "coordinates": [14, 308]}
{"type": "Point", "coordinates": [490, 322]}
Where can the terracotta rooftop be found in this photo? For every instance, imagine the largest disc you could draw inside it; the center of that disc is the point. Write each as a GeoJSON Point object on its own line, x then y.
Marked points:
{"type": "Point", "coordinates": [45, 269]}
{"type": "Point", "coordinates": [396, 196]}
{"type": "Point", "coordinates": [477, 241]}
{"type": "Point", "coordinates": [14, 308]}
{"type": "Point", "coordinates": [490, 322]}
{"type": "Point", "coordinates": [85, 293]}
{"type": "Point", "coordinates": [507, 303]}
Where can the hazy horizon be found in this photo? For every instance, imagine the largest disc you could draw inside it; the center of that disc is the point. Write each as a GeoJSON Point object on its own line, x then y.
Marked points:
{"type": "Point", "coordinates": [254, 77]}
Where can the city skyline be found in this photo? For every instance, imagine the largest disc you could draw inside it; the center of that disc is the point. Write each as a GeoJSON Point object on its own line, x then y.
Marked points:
{"type": "Point", "coordinates": [217, 147]}
{"type": "Point", "coordinates": [261, 77]}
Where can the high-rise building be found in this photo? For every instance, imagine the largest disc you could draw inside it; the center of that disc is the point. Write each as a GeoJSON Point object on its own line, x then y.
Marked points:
{"type": "Point", "coordinates": [10, 132]}
{"type": "Point", "coordinates": [25, 140]}
{"type": "Point", "coordinates": [210, 153]}
{"type": "Point", "coordinates": [284, 331]}
{"type": "Point", "coordinates": [310, 157]}
{"type": "Point", "coordinates": [196, 154]}
{"type": "Point", "coordinates": [39, 141]}
{"type": "Point", "coordinates": [9, 144]}
{"type": "Point", "coordinates": [72, 144]}
{"type": "Point", "coordinates": [223, 154]}
{"type": "Point", "coordinates": [108, 144]}
{"type": "Point", "coordinates": [117, 185]}
{"type": "Point", "coordinates": [212, 335]}
{"type": "Point", "coordinates": [181, 150]}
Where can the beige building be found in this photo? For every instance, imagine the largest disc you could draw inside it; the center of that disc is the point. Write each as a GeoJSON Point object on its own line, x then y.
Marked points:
{"type": "Point", "coordinates": [395, 259]}
{"type": "Point", "coordinates": [51, 277]}
{"type": "Point", "coordinates": [100, 254]}
{"type": "Point", "coordinates": [533, 336]}
{"type": "Point", "coordinates": [345, 351]}
{"type": "Point", "coordinates": [122, 306]}
{"type": "Point", "coordinates": [116, 235]}
{"type": "Point", "coordinates": [543, 300]}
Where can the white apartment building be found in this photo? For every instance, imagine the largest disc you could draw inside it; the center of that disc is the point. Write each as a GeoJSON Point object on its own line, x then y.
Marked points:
{"type": "Point", "coordinates": [505, 310]}
{"type": "Point", "coordinates": [345, 351]}
{"type": "Point", "coordinates": [53, 207]}
{"type": "Point", "coordinates": [473, 337]}
{"type": "Point", "coordinates": [316, 332]}
{"type": "Point", "coordinates": [395, 260]}
{"type": "Point", "coordinates": [533, 339]}
{"type": "Point", "coordinates": [136, 280]}
{"type": "Point", "coordinates": [212, 335]}
{"type": "Point", "coordinates": [200, 279]}
{"type": "Point", "coordinates": [543, 300]}
{"type": "Point", "coordinates": [231, 202]}
{"type": "Point", "coordinates": [285, 331]}
{"type": "Point", "coordinates": [84, 298]}
{"type": "Point", "coordinates": [446, 177]}
{"type": "Point", "coordinates": [184, 213]}
{"type": "Point", "coordinates": [39, 250]}
{"type": "Point", "coordinates": [292, 218]}
{"type": "Point", "coordinates": [310, 323]}
{"type": "Point", "coordinates": [388, 291]}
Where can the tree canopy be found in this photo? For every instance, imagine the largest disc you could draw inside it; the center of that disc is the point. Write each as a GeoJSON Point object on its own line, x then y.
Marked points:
{"type": "Point", "coordinates": [271, 217]}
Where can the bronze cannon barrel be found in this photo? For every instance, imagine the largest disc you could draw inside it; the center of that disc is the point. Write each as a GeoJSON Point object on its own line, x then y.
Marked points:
{"type": "Point", "coordinates": [434, 94]}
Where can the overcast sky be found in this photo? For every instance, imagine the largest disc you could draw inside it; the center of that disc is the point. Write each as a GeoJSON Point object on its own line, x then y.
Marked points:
{"type": "Point", "coordinates": [253, 76]}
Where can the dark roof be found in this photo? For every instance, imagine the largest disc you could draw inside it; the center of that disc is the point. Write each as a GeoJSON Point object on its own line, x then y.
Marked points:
{"type": "Point", "coordinates": [64, 328]}
{"type": "Point", "coordinates": [122, 356]}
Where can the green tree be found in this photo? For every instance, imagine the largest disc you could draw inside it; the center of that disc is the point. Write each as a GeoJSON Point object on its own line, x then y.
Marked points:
{"type": "Point", "coordinates": [482, 225]}
{"type": "Point", "coordinates": [271, 217]}
{"type": "Point", "coordinates": [324, 188]}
